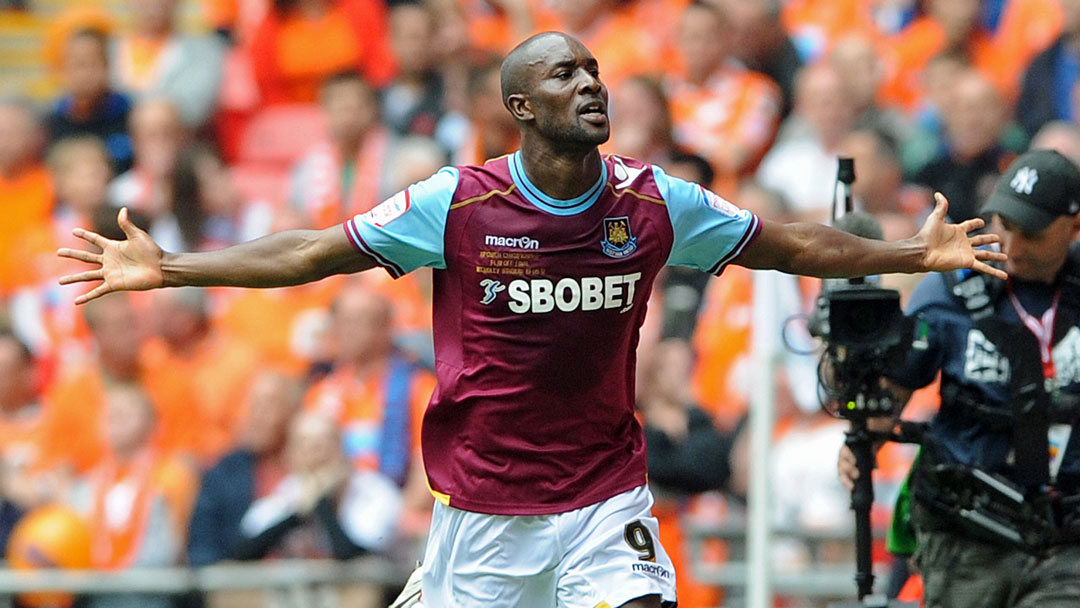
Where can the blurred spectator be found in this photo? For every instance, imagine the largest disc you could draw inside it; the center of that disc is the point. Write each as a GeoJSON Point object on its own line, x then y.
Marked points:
{"type": "Point", "coordinates": [43, 314]}
{"type": "Point", "coordinates": [686, 455]}
{"type": "Point", "coordinates": [682, 287]}
{"type": "Point", "coordinates": [814, 26]}
{"type": "Point", "coordinates": [937, 79]}
{"type": "Point", "coordinates": [490, 27]}
{"type": "Point", "coordinates": [322, 508]}
{"type": "Point", "coordinates": [374, 393]}
{"type": "Point", "coordinates": [1060, 136]}
{"type": "Point", "coordinates": [803, 166]}
{"type": "Point", "coordinates": [1049, 82]}
{"type": "Point", "coordinates": [33, 438]}
{"type": "Point", "coordinates": [856, 59]}
{"type": "Point", "coordinates": [300, 43]}
{"type": "Point", "coordinates": [414, 103]}
{"type": "Point", "coordinates": [974, 149]}
{"type": "Point", "coordinates": [218, 370]}
{"type": "Point", "coordinates": [492, 131]}
{"type": "Point", "coordinates": [622, 47]}
{"type": "Point", "coordinates": [721, 110]}
{"type": "Point", "coordinates": [210, 212]}
{"type": "Point", "coordinates": [89, 106]}
{"type": "Point", "coordinates": [156, 60]}
{"type": "Point", "coordinates": [642, 125]}
{"type": "Point", "coordinates": [118, 337]}
{"type": "Point", "coordinates": [138, 501]}
{"type": "Point", "coordinates": [345, 175]}
{"type": "Point", "coordinates": [81, 172]}
{"type": "Point", "coordinates": [158, 134]}
{"type": "Point", "coordinates": [879, 185]}
{"type": "Point", "coordinates": [288, 327]}
{"type": "Point", "coordinates": [234, 20]}
{"type": "Point", "coordinates": [759, 40]}
{"type": "Point", "coordinates": [26, 194]}
{"type": "Point", "coordinates": [246, 474]}
{"type": "Point", "coordinates": [956, 26]}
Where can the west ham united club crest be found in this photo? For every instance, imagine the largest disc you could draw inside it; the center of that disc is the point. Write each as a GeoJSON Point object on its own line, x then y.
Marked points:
{"type": "Point", "coordinates": [618, 242]}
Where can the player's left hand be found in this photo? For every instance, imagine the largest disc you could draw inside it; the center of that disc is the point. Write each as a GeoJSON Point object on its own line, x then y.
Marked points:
{"type": "Point", "coordinates": [949, 246]}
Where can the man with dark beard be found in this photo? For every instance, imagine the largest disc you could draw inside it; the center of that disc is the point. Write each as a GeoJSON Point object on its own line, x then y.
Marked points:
{"type": "Point", "coordinates": [543, 260]}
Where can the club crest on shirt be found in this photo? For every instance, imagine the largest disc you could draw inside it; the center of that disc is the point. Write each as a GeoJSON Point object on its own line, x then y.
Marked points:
{"type": "Point", "coordinates": [390, 209]}
{"type": "Point", "coordinates": [618, 242]}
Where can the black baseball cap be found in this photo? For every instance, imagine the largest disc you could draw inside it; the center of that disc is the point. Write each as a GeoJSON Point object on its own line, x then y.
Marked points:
{"type": "Point", "coordinates": [1037, 188]}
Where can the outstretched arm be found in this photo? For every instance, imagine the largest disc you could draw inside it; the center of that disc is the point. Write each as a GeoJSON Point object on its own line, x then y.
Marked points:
{"type": "Point", "coordinates": [277, 260]}
{"type": "Point", "coordinates": [821, 251]}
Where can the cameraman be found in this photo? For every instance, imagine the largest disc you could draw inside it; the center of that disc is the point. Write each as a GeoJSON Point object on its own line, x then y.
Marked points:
{"type": "Point", "coordinates": [1002, 347]}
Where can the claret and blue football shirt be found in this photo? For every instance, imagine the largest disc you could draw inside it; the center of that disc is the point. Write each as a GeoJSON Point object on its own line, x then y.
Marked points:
{"type": "Point", "coordinates": [537, 307]}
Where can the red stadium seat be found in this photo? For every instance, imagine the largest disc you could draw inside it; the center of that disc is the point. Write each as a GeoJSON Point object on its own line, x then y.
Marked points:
{"type": "Point", "coordinates": [261, 182]}
{"type": "Point", "coordinates": [278, 135]}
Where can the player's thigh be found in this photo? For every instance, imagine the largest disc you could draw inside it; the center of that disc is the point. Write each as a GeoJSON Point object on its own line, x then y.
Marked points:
{"type": "Point", "coordinates": [474, 560]}
{"type": "Point", "coordinates": [615, 555]}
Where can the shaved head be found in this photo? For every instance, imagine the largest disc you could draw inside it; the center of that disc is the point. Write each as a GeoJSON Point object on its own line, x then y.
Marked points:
{"type": "Point", "coordinates": [551, 86]}
{"type": "Point", "coordinates": [514, 74]}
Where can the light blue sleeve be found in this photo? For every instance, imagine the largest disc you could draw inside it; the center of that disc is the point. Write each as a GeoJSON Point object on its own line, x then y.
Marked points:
{"type": "Point", "coordinates": [406, 231]}
{"type": "Point", "coordinates": [709, 231]}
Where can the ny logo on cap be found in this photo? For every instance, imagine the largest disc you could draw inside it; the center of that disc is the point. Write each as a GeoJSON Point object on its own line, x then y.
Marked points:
{"type": "Point", "coordinates": [1024, 180]}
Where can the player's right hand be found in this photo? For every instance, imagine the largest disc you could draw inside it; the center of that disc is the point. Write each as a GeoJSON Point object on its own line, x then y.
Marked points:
{"type": "Point", "coordinates": [133, 264]}
{"type": "Point", "coordinates": [846, 468]}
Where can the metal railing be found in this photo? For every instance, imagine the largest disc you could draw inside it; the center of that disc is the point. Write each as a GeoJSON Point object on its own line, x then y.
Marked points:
{"type": "Point", "coordinates": [294, 582]}
{"type": "Point", "coordinates": [818, 580]}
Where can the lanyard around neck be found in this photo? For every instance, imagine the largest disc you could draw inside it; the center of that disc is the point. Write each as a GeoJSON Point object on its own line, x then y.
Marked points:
{"type": "Point", "coordinates": [1042, 328]}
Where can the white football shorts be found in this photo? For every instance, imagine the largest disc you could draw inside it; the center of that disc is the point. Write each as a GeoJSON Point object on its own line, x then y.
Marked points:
{"type": "Point", "coordinates": [599, 556]}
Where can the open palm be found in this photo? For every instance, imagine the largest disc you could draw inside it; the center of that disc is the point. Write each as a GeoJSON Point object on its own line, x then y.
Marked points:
{"type": "Point", "coordinates": [130, 265]}
{"type": "Point", "coordinates": [948, 246]}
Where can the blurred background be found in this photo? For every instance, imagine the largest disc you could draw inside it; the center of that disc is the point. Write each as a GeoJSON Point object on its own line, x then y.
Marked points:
{"type": "Point", "coordinates": [262, 446]}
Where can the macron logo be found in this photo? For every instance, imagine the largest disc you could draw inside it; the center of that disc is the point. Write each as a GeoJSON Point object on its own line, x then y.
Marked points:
{"type": "Point", "coordinates": [517, 242]}
{"type": "Point", "coordinates": [624, 174]}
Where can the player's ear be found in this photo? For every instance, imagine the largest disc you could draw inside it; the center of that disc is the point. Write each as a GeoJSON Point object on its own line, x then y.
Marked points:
{"type": "Point", "coordinates": [520, 106]}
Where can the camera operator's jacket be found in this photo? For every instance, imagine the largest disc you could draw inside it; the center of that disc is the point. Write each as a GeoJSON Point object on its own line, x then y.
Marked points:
{"type": "Point", "coordinates": [970, 352]}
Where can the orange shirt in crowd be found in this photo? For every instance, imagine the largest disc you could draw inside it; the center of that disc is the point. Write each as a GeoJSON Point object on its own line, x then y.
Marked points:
{"type": "Point", "coordinates": [358, 403]}
{"type": "Point", "coordinates": [119, 534]}
{"type": "Point", "coordinates": [722, 344]}
{"type": "Point", "coordinates": [730, 120]}
{"type": "Point", "coordinates": [906, 54]}
{"type": "Point", "coordinates": [218, 371]}
{"type": "Point", "coordinates": [324, 198]}
{"type": "Point", "coordinates": [814, 24]}
{"type": "Point", "coordinates": [25, 203]}
{"type": "Point", "coordinates": [691, 593]}
{"type": "Point", "coordinates": [37, 439]}
{"type": "Point", "coordinates": [621, 46]}
{"type": "Point", "coordinates": [80, 393]}
{"type": "Point", "coordinates": [286, 326]}
{"type": "Point", "coordinates": [488, 28]}
{"type": "Point", "coordinates": [292, 54]}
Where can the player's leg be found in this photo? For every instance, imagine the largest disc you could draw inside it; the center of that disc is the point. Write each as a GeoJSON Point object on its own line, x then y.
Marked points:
{"type": "Point", "coordinates": [474, 560]}
{"type": "Point", "coordinates": [649, 601]}
{"type": "Point", "coordinates": [613, 556]}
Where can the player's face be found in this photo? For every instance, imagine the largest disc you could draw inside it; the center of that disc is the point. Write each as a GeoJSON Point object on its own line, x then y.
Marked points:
{"type": "Point", "coordinates": [1036, 257]}
{"type": "Point", "coordinates": [569, 101]}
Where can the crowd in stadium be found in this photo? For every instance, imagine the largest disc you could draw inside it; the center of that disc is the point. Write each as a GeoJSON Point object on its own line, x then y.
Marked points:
{"type": "Point", "coordinates": [194, 426]}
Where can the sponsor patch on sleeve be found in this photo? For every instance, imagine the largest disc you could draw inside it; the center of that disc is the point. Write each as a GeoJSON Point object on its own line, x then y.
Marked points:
{"type": "Point", "coordinates": [719, 203]}
{"type": "Point", "coordinates": [389, 210]}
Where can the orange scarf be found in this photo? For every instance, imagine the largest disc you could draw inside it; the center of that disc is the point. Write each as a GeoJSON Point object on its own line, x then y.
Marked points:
{"type": "Point", "coordinates": [116, 543]}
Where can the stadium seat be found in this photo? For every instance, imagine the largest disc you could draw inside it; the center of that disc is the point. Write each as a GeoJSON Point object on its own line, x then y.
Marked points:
{"type": "Point", "coordinates": [261, 182]}
{"type": "Point", "coordinates": [278, 135]}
